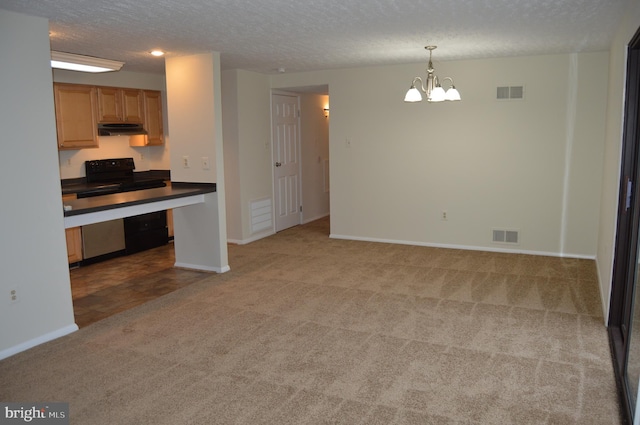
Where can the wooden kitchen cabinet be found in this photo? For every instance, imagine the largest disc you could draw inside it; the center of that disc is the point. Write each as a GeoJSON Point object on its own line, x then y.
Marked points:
{"type": "Point", "coordinates": [116, 105]}
{"type": "Point", "coordinates": [170, 223]}
{"type": "Point", "coordinates": [76, 107]}
{"type": "Point", "coordinates": [74, 244]}
{"type": "Point", "coordinates": [132, 105]}
{"type": "Point", "coordinates": [74, 239]}
{"type": "Point", "coordinates": [153, 117]}
{"type": "Point", "coordinates": [79, 108]}
{"type": "Point", "coordinates": [152, 101]}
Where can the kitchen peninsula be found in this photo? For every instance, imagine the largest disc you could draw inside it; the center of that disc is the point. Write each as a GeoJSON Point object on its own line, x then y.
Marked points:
{"type": "Point", "coordinates": [198, 246]}
{"type": "Point", "coordinates": [80, 212]}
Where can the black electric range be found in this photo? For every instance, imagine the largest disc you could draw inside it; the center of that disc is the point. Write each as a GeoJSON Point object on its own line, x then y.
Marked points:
{"type": "Point", "coordinates": [107, 176]}
{"type": "Point", "coordinates": [128, 235]}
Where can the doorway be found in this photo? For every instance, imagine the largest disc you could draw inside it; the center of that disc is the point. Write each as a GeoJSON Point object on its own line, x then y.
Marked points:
{"type": "Point", "coordinates": [287, 189]}
{"type": "Point", "coordinates": [624, 311]}
{"type": "Point", "coordinates": [302, 113]}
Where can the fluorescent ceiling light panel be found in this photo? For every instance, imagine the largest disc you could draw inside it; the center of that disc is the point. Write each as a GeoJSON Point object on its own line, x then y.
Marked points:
{"type": "Point", "coordinates": [83, 63]}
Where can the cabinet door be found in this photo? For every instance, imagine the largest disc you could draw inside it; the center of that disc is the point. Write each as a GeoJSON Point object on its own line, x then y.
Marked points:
{"type": "Point", "coordinates": [74, 244]}
{"type": "Point", "coordinates": [109, 104]}
{"type": "Point", "coordinates": [75, 116]}
{"type": "Point", "coordinates": [74, 238]}
{"type": "Point", "coordinates": [170, 223]}
{"type": "Point", "coordinates": [153, 117]}
{"type": "Point", "coordinates": [132, 105]}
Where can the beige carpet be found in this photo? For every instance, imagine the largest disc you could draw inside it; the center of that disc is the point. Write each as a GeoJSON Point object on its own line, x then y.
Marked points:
{"type": "Point", "coordinates": [310, 330]}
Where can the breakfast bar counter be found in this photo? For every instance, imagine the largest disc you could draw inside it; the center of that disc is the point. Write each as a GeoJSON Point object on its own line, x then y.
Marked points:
{"type": "Point", "coordinates": [80, 212]}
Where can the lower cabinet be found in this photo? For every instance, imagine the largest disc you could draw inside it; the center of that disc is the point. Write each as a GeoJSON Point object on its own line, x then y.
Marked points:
{"type": "Point", "coordinates": [74, 238]}
{"type": "Point", "coordinates": [170, 222]}
{"type": "Point", "coordinates": [74, 244]}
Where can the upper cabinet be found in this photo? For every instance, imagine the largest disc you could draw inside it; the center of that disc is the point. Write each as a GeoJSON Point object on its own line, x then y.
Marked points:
{"type": "Point", "coordinates": [117, 105]}
{"type": "Point", "coordinates": [153, 117]}
{"type": "Point", "coordinates": [79, 109]}
{"type": "Point", "coordinates": [76, 107]}
{"type": "Point", "coordinates": [132, 105]}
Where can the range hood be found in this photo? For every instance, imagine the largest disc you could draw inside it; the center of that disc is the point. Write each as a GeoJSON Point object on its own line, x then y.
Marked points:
{"type": "Point", "coordinates": [120, 129]}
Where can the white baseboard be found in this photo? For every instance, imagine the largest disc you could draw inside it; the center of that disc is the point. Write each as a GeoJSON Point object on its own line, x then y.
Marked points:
{"type": "Point", "coordinates": [605, 299]}
{"type": "Point", "coordinates": [251, 239]}
{"type": "Point", "coordinates": [37, 341]}
{"type": "Point", "coordinates": [465, 247]}
{"type": "Point", "coordinates": [198, 267]}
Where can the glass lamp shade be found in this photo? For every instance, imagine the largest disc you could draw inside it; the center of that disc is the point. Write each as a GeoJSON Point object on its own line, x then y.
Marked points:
{"type": "Point", "coordinates": [452, 94]}
{"type": "Point", "coordinates": [413, 95]}
{"type": "Point", "coordinates": [437, 94]}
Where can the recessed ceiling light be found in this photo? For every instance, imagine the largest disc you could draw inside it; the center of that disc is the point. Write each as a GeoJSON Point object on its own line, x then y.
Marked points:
{"type": "Point", "coordinates": [157, 53]}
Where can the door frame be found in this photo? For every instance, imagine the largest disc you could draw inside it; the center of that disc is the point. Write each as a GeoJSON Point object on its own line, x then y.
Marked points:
{"type": "Point", "coordinates": [628, 226]}
{"type": "Point", "coordinates": [299, 150]}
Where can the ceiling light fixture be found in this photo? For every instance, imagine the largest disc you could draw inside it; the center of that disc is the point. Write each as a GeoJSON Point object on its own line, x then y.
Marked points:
{"type": "Point", "coordinates": [73, 62]}
{"type": "Point", "coordinates": [157, 53]}
{"type": "Point", "coordinates": [433, 89]}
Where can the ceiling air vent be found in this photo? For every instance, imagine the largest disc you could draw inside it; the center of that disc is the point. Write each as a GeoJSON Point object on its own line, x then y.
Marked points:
{"type": "Point", "coordinates": [510, 92]}
{"type": "Point", "coordinates": [506, 236]}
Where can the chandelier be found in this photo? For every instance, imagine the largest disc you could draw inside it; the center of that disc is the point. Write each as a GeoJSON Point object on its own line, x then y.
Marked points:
{"type": "Point", "coordinates": [431, 86]}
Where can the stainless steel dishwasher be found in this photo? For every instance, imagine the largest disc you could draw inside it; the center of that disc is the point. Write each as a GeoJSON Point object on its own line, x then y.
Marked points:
{"type": "Point", "coordinates": [103, 238]}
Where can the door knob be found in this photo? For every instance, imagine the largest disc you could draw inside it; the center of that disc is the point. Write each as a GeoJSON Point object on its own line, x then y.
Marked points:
{"type": "Point", "coordinates": [278, 164]}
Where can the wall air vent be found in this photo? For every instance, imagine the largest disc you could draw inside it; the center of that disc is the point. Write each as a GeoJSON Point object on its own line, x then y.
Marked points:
{"type": "Point", "coordinates": [510, 93]}
{"type": "Point", "coordinates": [261, 215]}
{"type": "Point", "coordinates": [506, 236]}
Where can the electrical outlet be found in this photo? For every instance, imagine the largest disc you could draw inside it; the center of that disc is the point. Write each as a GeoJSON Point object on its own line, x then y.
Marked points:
{"type": "Point", "coordinates": [443, 217]}
{"type": "Point", "coordinates": [185, 161]}
{"type": "Point", "coordinates": [205, 163]}
{"type": "Point", "coordinates": [13, 296]}
{"type": "Point", "coordinates": [141, 157]}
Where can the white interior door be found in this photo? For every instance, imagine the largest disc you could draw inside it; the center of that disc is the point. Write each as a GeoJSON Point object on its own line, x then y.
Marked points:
{"type": "Point", "coordinates": [286, 160]}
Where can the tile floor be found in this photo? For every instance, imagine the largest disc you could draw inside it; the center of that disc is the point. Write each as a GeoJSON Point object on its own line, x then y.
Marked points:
{"type": "Point", "coordinates": [103, 289]}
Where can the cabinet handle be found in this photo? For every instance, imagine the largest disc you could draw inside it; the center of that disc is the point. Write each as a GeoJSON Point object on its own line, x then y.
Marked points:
{"type": "Point", "coordinates": [278, 164]}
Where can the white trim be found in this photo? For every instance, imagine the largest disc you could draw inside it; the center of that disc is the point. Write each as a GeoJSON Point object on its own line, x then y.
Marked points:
{"type": "Point", "coordinates": [222, 269]}
{"type": "Point", "coordinates": [465, 247]}
{"type": "Point", "coordinates": [605, 301]}
{"type": "Point", "coordinates": [251, 239]}
{"type": "Point", "coordinates": [37, 341]}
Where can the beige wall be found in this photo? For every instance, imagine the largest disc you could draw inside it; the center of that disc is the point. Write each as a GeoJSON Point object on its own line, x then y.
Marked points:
{"type": "Point", "coordinates": [246, 106]}
{"type": "Point", "coordinates": [248, 162]}
{"type": "Point", "coordinates": [528, 165]}
{"type": "Point", "coordinates": [193, 117]}
{"type": "Point", "coordinates": [231, 153]}
{"type": "Point", "coordinates": [314, 128]}
{"type": "Point", "coordinates": [194, 98]}
{"type": "Point", "coordinates": [612, 152]}
{"type": "Point", "coordinates": [33, 260]}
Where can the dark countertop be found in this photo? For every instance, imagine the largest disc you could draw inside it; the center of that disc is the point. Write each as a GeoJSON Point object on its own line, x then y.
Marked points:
{"type": "Point", "coordinates": [125, 199]}
{"type": "Point", "coordinates": [71, 186]}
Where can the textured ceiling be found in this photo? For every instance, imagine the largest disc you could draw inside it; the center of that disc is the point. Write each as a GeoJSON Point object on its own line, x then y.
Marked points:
{"type": "Point", "coordinates": [303, 35]}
